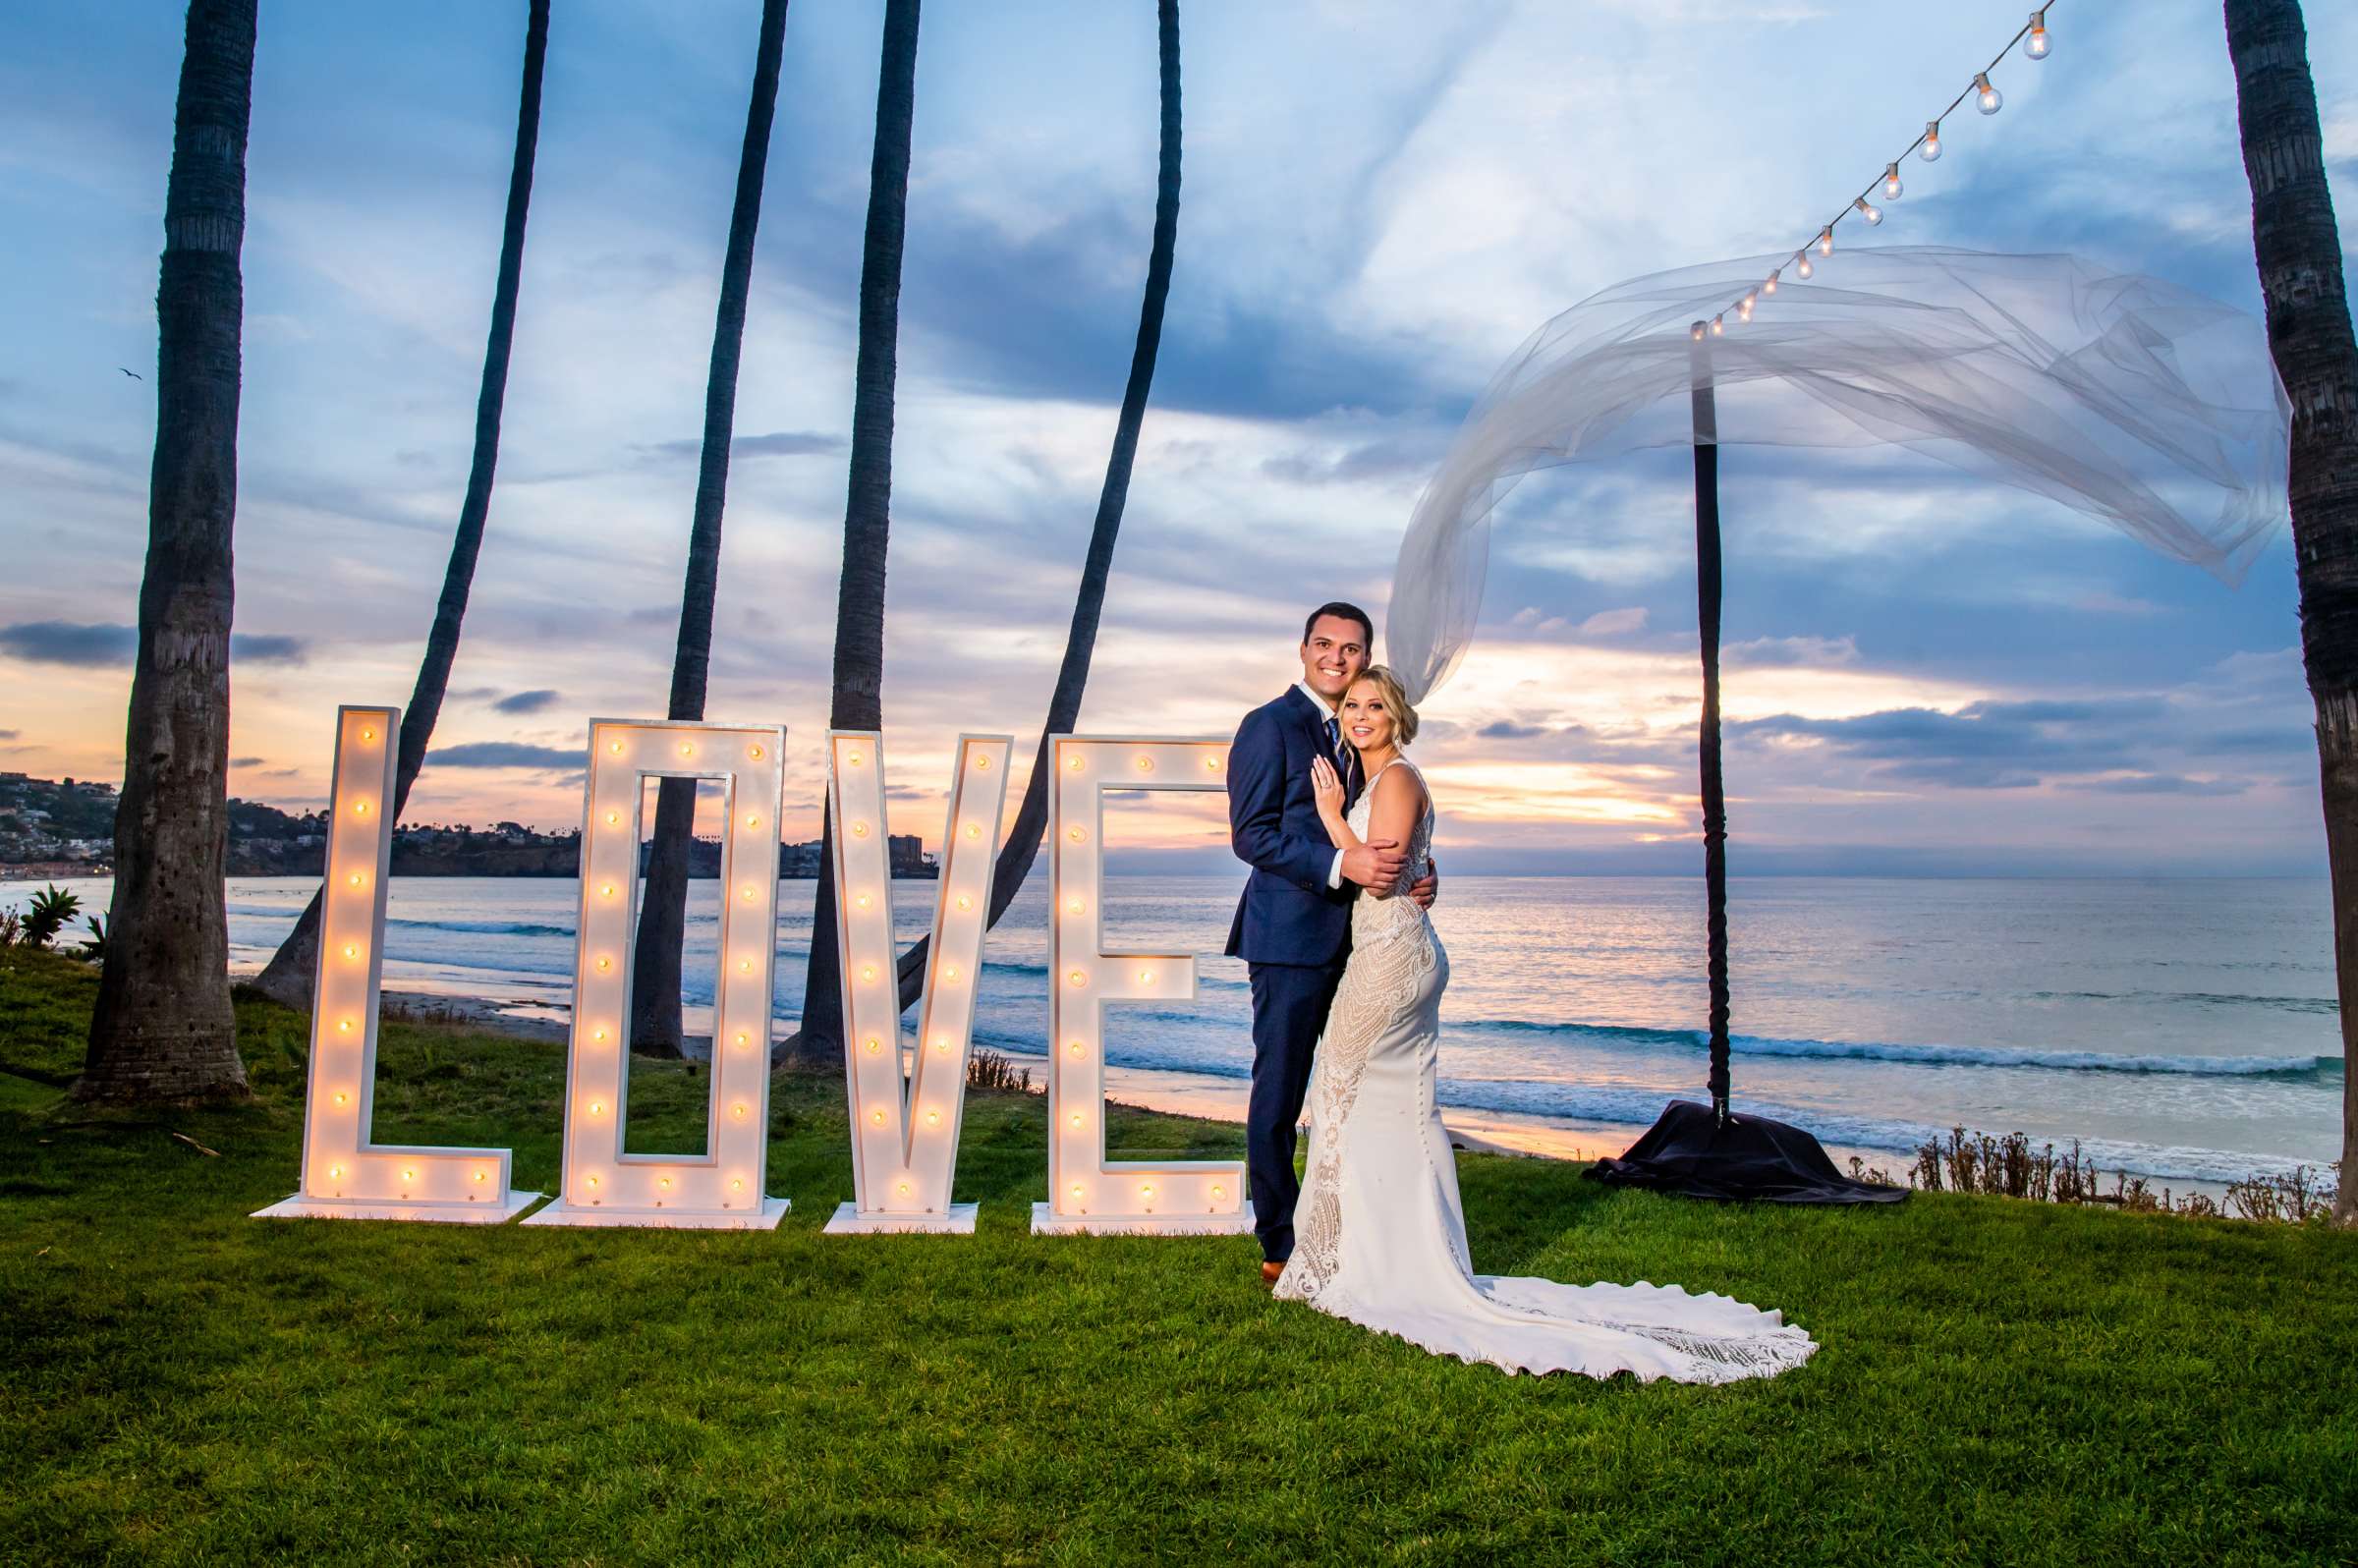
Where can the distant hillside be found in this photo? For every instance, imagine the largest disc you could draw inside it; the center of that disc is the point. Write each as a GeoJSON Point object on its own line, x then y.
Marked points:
{"type": "Point", "coordinates": [48, 822]}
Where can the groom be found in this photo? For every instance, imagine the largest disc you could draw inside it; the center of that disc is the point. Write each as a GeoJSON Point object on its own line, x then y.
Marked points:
{"type": "Point", "coordinates": [1293, 925]}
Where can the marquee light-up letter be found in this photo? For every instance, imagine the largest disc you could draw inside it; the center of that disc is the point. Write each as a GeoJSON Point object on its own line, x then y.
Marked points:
{"type": "Point", "coordinates": [345, 1176]}
{"type": "Point", "coordinates": [1086, 1192]}
{"type": "Point", "coordinates": [721, 1189]}
{"type": "Point", "coordinates": [905, 1140]}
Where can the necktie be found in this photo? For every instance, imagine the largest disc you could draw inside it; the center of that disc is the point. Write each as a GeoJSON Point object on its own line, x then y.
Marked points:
{"type": "Point", "coordinates": [1343, 756]}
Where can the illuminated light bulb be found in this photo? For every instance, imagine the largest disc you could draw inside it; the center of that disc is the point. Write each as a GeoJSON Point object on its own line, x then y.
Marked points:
{"type": "Point", "coordinates": [862, 901]}
{"type": "Point", "coordinates": [597, 1108]}
{"type": "Point", "coordinates": [1930, 153]}
{"type": "Point", "coordinates": [754, 751]}
{"type": "Point", "coordinates": [871, 1044]}
{"type": "Point", "coordinates": [354, 880]}
{"type": "Point", "coordinates": [1825, 241]}
{"type": "Point", "coordinates": [1073, 1047]}
{"type": "Point", "coordinates": [1074, 906]}
{"type": "Point", "coordinates": [752, 892]}
{"type": "Point", "coordinates": [2037, 44]}
{"type": "Point", "coordinates": [902, 1188]}
{"type": "Point", "coordinates": [1869, 210]}
{"type": "Point", "coordinates": [1219, 1192]}
{"type": "Point", "coordinates": [687, 748]}
{"type": "Point", "coordinates": [1077, 978]}
{"type": "Point", "coordinates": [335, 1173]}
{"type": "Point", "coordinates": [1769, 284]}
{"type": "Point", "coordinates": [340, 1096]}
{"type": "Point", "coordinates": [858, 830]}
{"type": "Point", "coordinates": [1803, 267]}
{"type": "Point", "coordinates": [1985, 97]}
{"type": "Point", "coordinates": [876, 1116]}
{"type": "Point", "coordinates": [613, 818]}
{"type": "Point", "coordinates": [616, 749]}
{"type": "Point", "coordinates": [1145, 976]}
{"type": "Point", "coordinates": [1145, 764]}
{"type": "Point", "coordinates": [408, 1175]}
{"type": "Point", "coordinates": [1892, 185]}
{"type": "Point", "coordinates": [665, 1184]}
{"type": "Point", "coordinates": [593, 1182]}
{"type": "Point", "coordinates": [852, 758]}
{"type": "Point", "coordinates": [351, 951]}
{"type": "Point", "coordinates": [1076, 834]}
{"type": "Point", "coordinates": [867, 972]}
{"type": "Point", "coordinates": [481, 1176]}
{"type": "Point", "coordinates": [606, 891]}
{"type": "Point", "coordinates": [1074, 762]}
{"type": "Point", "coordinates": [1744, 309]}
{"type": "Point", "coordinates": [949, 971]}
{"type": "Point", "coordinates": [745, 966]}
{"type": "Point", "coordinates": [973, 830]}
{"type": "Point", "coordinates": [604, 964]}
{"type": "Point", "coordinates": [1212, 764]}
{"type": "Point", "coordinates": [1695, 331]}
{"type": "Point", "coordinates": [597, 1034]}
{"type": "Point", "coordinates": [344, 1026]}
{"type": "Point", "coordinates": [737, 1185]}
{"type": "Point", "coordinates": [368, 735]}
{"type": "Point", "coordinates": [1076, 1118]}
{"type": "Point", "coordinates": [360, 808]}
{"type": "Point", "coordinates": [1076, 1191]}
{"type": "Point", "coordinates": [983, 763]}
{"type": "Point", "coordinates": [1719, 328]}
{"type": "Point", "coordinates": [752, 821]}
{"type": "Point", "coordinates": [1146, 1190]}
{"type": "Point", "coordinates": [964, 901]}
{"type": "Point", "coordinates": [933, 1118]}
{"type": "Point", "coordinates": [738, 1111]}
{"type": "Point", "coordinates": [942, 1042]}
{"type": "Point", "coordinates": [742, 1039]}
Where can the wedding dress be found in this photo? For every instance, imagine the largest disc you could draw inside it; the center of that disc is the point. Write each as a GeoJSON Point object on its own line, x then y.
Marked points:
{"type": "Point", "coordinates": [1379, 1233]}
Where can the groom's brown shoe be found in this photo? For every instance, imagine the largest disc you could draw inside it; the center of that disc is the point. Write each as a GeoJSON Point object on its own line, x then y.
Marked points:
{"type": "Point", "coordinates": [1269, 1273]}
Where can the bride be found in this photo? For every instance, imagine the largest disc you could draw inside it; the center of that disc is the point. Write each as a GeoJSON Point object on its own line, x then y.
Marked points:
{"type": "Point", "coordinates": [1381, 1238]}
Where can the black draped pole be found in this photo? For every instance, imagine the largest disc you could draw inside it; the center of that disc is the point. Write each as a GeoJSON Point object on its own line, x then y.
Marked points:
{"type": "Point", "coordinates": [1714, 798]}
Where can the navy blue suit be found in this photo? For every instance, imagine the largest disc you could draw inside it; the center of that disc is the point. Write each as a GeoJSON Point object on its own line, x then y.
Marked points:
{"type": "Point", "coordinates": [1292, 931]}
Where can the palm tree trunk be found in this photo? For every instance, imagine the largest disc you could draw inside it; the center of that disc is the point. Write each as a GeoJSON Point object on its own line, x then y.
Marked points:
{"type": "Point", "coordinates": [1024, 839]}
{"type": "Point", "coordinates": [2299, 254]}
{"type": "Point", "coordinates": [858, 703]}
{"type": "Point", "coordinates": [1714, 795]}
{"type": "Point", "coordinates": [663, 908]}
{"type": "Point", "coordinates": [163, 1029]}
{"type": "Point", "coordinates": [289, 975]}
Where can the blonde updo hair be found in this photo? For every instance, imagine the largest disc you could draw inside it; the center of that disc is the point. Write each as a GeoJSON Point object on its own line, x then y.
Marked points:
{"type": "Point", "coordinates": [1395, 702]}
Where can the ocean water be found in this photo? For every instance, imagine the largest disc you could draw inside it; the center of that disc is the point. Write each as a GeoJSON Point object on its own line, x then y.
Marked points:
{"type": "Point", "coordinates": [2183, 1029]}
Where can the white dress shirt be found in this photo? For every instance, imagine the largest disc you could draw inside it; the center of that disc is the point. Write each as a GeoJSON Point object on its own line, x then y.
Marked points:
{"type": "Point", "coordinates": [1334, 872]}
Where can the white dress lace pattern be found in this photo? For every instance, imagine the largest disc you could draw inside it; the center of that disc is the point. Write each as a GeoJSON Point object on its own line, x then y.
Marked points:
{"type": "Point", "coordinates": [1379, 1234]}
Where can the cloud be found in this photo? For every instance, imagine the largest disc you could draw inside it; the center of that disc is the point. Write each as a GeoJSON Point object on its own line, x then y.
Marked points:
{"type": "Point", "coordinates": [505, 753]}
{"type": "Point", "coordinates": [248, 762]}
{"type": "Point", "coordinates": [777, 443]}
{"type": "Point", "coordinates": [98, 645]}
{"type": "Point", "coordinates": [2157, 784]}
{"type": "Point", "coordinates": [1984, 745]}
{"type": "Point", "coordinates": [1615, 622]}
{"type": "Point", "coordinates": [9, 735]}
{"type": "Point", "coordinates": [1791, 653]}
{"type": "Point", "coordinates": [1509, 730]}
{"type": "Point", "coordinates": [532, 701]}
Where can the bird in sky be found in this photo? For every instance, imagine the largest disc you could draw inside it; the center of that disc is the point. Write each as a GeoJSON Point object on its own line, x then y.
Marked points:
{"type": "Point", "coordinates": [133, 374]}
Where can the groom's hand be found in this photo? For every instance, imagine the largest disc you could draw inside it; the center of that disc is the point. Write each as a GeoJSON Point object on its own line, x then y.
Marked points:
{"type": "Point", "coordinates": [1423, 891]}
{"type": "Point", "coordinates": [1375, 865]}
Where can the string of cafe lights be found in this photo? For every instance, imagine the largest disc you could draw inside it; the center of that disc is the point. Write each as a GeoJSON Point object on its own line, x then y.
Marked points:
{"type": "Point", "coordinates": [2030, 37]}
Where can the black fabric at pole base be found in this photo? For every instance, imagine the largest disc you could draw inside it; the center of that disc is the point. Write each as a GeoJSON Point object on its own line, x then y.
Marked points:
{"type": "Point", "coordinates": [1691, 1153]}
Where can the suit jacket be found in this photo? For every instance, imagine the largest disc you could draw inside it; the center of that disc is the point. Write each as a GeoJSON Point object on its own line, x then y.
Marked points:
{"type": "Point", "coordinates": [1288, 914]}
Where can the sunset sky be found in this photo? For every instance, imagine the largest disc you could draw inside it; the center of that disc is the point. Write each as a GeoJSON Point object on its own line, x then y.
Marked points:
{"type": "Point", "coordinates": [1381, 200]}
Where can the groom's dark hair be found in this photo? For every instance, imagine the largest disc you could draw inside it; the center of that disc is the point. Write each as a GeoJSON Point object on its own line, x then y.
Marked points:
{"type": "Point", "coordinates": [1341, 612]}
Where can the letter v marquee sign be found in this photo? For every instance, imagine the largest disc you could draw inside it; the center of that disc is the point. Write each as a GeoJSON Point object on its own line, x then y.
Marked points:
{"type": "Point", "coordinates": [905, 1133]}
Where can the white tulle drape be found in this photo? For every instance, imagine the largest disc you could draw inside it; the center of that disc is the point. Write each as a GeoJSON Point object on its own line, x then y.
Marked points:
{"type": "Point", "coordinates": [2125, 397]}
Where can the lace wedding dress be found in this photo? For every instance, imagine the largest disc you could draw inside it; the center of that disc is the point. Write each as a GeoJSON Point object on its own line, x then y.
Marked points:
{"type": "Point", "coordinates": [1379, 1233]}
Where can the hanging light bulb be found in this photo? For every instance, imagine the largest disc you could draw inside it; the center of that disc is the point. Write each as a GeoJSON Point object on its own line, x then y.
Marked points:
{"type": "Point", "coordinates": [2036, 46]}
{"type": "Point", "coordinates": [1695, 331]}
{"type": "Point", "coordinates": [1869, 210]}
{"type": "Point", "coordinates": [1803, 267]}
{"type": "Point", "coordinates": [1769, 285]}
{"type": "Point", "coordinates": [1719, 328]}
{"type": "Point", "coordinates": [1931, 151]}
{"type": "Point", "coordinates": [1825, 241]}
{"type": "Point", "coordinates": [1744, 307]}
{"type": "Point", "coordinates": [1891, 186]}
{"type": "Point", "coordinates": [1985, 97]}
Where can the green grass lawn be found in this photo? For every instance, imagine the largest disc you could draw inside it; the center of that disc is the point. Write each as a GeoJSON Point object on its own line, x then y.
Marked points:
{"type": "Point", "coordinates": [2000, 1381]}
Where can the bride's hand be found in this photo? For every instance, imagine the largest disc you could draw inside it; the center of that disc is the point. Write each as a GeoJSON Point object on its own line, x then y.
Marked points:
{"type": "Point", "coordinates": [1326, 787]}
